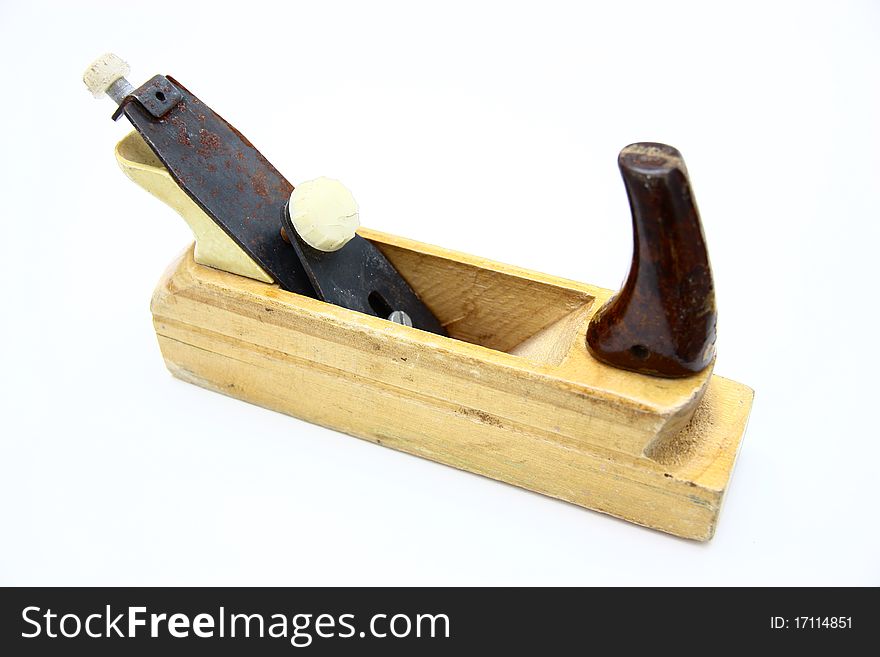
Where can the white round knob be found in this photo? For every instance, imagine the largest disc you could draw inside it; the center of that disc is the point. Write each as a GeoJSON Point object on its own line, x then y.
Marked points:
{"type": "Point", "coordinates": [324, 213]}
{"type": "Point", "coordinates": [103, 72]}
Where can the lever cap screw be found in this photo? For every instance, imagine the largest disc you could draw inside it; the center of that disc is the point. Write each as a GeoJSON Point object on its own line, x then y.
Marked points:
{"type": "Point", "coordinates": [324, 213]}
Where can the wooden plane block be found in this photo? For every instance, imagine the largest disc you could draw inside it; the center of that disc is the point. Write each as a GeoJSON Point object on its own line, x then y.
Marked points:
{"type": "Point", "coordinates": [515, 397]}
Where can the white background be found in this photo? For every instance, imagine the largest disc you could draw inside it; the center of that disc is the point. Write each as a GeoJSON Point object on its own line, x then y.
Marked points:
{"type": "Point", "coordinates": [488, 128]}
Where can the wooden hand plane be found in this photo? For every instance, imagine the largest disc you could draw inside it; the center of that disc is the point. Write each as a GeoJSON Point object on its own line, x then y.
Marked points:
{"type": "Point", "coordinates": [604, 400]}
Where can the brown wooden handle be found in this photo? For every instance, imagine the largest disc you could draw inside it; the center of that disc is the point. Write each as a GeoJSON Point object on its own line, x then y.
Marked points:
{"type": "Point", "coordinates": [663, 319]}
